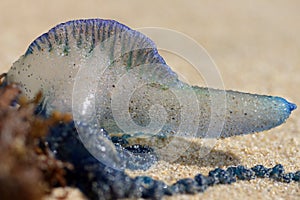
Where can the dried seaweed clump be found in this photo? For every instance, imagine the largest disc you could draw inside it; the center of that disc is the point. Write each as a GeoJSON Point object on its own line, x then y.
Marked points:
{"type": "Point", "coordinates": [28, 170]}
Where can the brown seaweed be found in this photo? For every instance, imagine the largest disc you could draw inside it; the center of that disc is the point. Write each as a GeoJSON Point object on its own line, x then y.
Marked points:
{"type": "Point", "coordinates": [28, 170]}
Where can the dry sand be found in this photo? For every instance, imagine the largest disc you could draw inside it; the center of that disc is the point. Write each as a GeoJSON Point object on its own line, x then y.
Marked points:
{"type": "Point", "coordinates": [255, 45]}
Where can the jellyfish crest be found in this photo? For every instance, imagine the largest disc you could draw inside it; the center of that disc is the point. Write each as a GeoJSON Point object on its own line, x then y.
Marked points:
{"type": "Point", "coordinates": [68, 62]}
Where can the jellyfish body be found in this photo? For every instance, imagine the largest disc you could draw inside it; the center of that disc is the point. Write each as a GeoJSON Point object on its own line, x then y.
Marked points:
{"type": "Point", "coordinates": [108, 50]}
{"type": "Point", "coordinates": [98, 64]}
{"type": "Point", "coordinates": [110, 77]}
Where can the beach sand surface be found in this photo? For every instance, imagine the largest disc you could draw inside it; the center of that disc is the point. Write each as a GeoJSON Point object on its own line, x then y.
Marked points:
{"type": "Point", "coordinates": [255, 46]}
